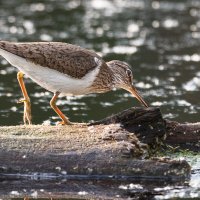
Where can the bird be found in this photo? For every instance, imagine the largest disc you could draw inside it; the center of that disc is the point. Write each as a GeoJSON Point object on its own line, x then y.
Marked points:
{"type": "Point", "coordinates": [65, 69]}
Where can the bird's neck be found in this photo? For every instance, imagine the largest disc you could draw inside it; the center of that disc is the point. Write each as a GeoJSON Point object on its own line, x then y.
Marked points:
{"type": "Point", "coordinates": [104, 81]}
{"type": "Point", "coordinates": [117, 79]}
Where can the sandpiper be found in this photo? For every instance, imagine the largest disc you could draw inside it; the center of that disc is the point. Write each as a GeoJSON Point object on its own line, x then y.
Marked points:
{"type": "Point", "coordinates": [65, 69]}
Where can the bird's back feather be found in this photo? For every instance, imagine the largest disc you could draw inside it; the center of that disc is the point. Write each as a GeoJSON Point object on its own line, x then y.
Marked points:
{"type": "Point", "coordinates": [63, 57]}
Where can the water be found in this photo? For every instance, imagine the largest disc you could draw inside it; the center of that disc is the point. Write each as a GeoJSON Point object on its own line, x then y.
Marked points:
{"type": "Point", "coordinates": [159, 39]}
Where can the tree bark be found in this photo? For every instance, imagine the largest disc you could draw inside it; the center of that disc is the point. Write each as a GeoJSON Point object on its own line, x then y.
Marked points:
{"type": "Point", "coordinates": [115, 146]}
{"type": "Point", "coordinates": [185, 135]}
{"type": "Point", "coordinates": [146, 123]}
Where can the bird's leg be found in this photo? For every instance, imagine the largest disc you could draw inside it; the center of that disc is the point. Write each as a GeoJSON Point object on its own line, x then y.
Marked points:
{"type": "Point", "coordinates": [65, 120]}
{"type": "Point", "coordinates": [27, 104]}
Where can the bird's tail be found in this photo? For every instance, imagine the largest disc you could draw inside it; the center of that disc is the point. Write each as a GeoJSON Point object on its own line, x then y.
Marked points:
{"type": "Point", "coordinates": [6, 49]}
{"type": "Point", "coordinates": [4, 45]}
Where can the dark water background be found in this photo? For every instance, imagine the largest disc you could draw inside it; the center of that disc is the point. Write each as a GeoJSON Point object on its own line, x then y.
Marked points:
{"type": "Point", "coordinates": [159, 39]}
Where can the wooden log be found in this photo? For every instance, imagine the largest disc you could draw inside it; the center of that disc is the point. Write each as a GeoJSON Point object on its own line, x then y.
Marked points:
{"type": "Point", "coordinates": [108, 147]}
{"type": "Point", "coordinates": [185, 135]}
{"type": "Point", "coordinates": [146, 123]}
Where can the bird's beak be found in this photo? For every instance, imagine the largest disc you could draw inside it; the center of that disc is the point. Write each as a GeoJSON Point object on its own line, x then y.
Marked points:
{"type": "Point", "coordinates": [135, 93]}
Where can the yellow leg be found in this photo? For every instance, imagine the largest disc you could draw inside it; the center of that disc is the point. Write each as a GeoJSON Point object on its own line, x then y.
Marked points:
{"type": "Point", "coordinates": [27, 104]}
{"type": "Point", "coordinates": [65, 120]}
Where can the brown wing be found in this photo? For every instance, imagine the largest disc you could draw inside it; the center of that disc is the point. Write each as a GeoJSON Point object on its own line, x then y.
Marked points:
{"type": "Point", "coordinates": [65, 58]}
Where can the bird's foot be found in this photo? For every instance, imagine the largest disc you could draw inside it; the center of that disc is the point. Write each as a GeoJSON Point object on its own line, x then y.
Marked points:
{"type": "Point", "coordinates": [27, 111]}
{"type": "Point", "coordinates": [66, 122]}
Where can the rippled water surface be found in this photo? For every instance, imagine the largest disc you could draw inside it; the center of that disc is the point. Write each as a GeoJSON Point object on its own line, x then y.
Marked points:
{"type": "Point", "coordinates": [159, 39]}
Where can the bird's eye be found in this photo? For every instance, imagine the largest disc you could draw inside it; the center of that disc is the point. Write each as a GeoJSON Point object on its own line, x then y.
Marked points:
{"type": "Point", "coordinates": [129, 74]}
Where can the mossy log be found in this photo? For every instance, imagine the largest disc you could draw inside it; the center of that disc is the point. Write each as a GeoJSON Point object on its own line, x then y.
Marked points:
{"type": "Point", "coordinates": [115, 146]}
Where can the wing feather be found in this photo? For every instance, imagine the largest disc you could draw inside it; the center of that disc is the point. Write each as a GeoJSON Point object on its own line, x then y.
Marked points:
{"type": "Point", "coordinates": [63, 57]}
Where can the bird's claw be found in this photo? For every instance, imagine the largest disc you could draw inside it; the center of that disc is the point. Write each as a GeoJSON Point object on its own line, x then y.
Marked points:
{"type": "Point", "coordinates": [62, 123]}
{"type": "Point", "coordinates": [22, 101]}
{"type": "Point", "coordinates": [27, 111]}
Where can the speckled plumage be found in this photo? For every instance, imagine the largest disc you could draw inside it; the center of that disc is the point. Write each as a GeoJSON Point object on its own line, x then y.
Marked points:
{"type": "Point", "coordinates": [65, 58]}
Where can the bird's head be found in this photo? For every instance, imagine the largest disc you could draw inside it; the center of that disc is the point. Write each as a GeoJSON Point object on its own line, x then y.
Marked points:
{"type": "Point", "coordinates": [123, 78]}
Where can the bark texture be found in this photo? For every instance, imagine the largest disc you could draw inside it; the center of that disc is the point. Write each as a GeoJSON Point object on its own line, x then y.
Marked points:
{"type": "Point", "coordinates": [185, 135]}
{"type": "Point", "coordinates": [114, 146]}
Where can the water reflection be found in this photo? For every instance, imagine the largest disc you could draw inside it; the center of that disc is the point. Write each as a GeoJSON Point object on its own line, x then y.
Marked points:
{"type": "Point", "coordinates": [98, 188]}
{"type": "Point", "coordinates": [160, 40]}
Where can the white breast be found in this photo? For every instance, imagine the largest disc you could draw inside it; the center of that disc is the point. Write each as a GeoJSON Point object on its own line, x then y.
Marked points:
{"type": "Point", "coordinates": [51, 79]}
